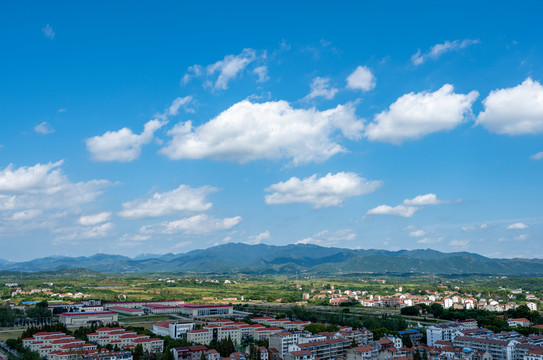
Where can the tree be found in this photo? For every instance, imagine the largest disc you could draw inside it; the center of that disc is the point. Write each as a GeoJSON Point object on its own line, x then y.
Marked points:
{"type": "Point", "coordinates": [138, 353]}
{"type": "Point", "coordinates": [424, 355]}
{"type": "Point", "coordinates": [410, 311]}
{"type": "Point", "coordinates": [406, 339]}
{"type": "Point", "coordinates": [315, 328]}
{"type": "Point", "coordinates": [416, 355]}
{"type": "Point", "coordinates": [203, 356]}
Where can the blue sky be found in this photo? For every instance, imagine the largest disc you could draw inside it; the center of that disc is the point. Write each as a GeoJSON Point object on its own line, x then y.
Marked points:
{"type": "Point", "coordinates": [133, 128]}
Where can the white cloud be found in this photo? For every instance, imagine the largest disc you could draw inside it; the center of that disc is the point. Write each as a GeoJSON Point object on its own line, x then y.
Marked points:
{"type": "Point", "coordinates": [122, 145]}
{"type": "Point", "coordinates": [459, 243]}
{"type": "Point", "coordinates": [361, 79]}
{"type": "Point", "coordinates": [439, 49]}
{"type": "Point", "coordinates": [192, 71]}
{"type": "Point", "coordinates": [134, 238]}
{"type": "Point", "coordinates": [421, 200]}
{"type": "Point", "coordinates": [408, 208]}
{"type": "Point", "coordinates": [522, 237]}
{"type": "Point", "coordinates": [95, 218]}
{"type": "Point", "coordinates": [537, 156]}
{"type": "Point", "coordinates": [514, 111]}
{"type": "Point", "coordinates": [184, 198]}
{"type": "Point", "coordinates": [179, 102]}
{"type": "Point", "coordinates": [26, 214]}
{"type": "Point", "coordinates": [320, 87]}
{"type": "Point", "coordinates": [262, 73]}
{"type": "Point", "coordinates": [94, 232]}
{"type": "Point", "coordinates": [417, 233]}
{"type": "Point", "coordinates": [399, 210]}
{"type": "Point", "coordinates": [48, 32]}
{"type": "Point", "coordinates": [257, 239]}
{"type": "Point", "coordinates": [44, 186]}
{"type": "Point", "coordinates": [415, 115]}
{"type": "Point", "coordinates": [429, 240]}
{"type": "Point", "coordinates": [473, 227]}
{"type": "Point", "coordinates": [273, 130]}
{"type": "Point", "coordinates": [326, 191]}
{"type": "Point", "coordinates": [326, 238]}
{"type": "Point", "coordinates": [230, 67]}
{"type": "Point", "coordinates": [44, 128]}
{"type": "Point", "coordinates": [517, 226]}
{"type": "Point", "coordinates": [194, 225]}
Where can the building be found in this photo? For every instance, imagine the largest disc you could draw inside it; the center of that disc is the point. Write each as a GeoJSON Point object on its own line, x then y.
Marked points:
{"type": "Point", "coordinates": [414, 335]}
{"type": "Point", "coordinates": [202, 311]}
{"type": "Point", "coordinates": [125, 339]}
{"type": "Point", "coordinates": [445, 332]}
{"type": "Point", "coordinates": [126, 310]}
{"type": "Point", "coordinates": [88, 318]}
{"type": "Point", "coordinates": [362, 353]}
{"type": "Point", "coordinates": [173, 329]}
{"type": "Point", "coordinates": [519, 322]}
{"type": "Point", "coordinates": [299, 355]}
{"type": "Point", "coordinates": [194, 353]}
{"type": "Point", "coordinates": [140, 304]}
{"type": "Point", "coordinates": [283, 342]}
{"type": "Point", "coordinates": [327, 349]}
{"type": "Point", "coordinates": [499, 349]}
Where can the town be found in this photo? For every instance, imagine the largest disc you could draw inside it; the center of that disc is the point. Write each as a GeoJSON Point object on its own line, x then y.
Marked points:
{"type": "Point", "coordinates": [248, 329]}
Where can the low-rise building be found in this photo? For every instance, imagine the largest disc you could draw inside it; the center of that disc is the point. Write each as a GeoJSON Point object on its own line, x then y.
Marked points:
{"type": "Point", "coordinates": [173, 329]}
{"type": "Point", "coordinates": [88, 318]}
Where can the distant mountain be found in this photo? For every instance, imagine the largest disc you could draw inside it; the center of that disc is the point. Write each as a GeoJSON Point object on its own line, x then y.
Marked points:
{"type": "Point", "coordinates": [288, 259]}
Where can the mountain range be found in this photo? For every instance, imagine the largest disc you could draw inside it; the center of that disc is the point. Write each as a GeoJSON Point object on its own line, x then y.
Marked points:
{"type": "Point", "coordinates": [289, 259]}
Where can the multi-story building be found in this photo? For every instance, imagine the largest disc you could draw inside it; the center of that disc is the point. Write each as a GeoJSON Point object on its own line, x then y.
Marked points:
{"type": "Point", "coordinates": [283, 341]}
{"type": "Point", "coordinates": [299, 355]}
{"type": "Point", "coordinates": [445, 332]}
{"type": "Point", "coordinates": [362, 353]}
{"type": "Point", "coordinates": [499, 349]}
{"type": "Point", "coordinates": [327, 349]}
{"type": "Point", "coordinates": [173, 329]}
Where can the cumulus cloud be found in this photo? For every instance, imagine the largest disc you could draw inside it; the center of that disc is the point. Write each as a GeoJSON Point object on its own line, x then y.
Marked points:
{"type": "Point", "coordinates": [439, 49]}
{"type": "Point", "coordinates": [537, 156]}
{"type": "Point", "coordinates": [517, 226]}
{"type": "Point", "coordinates": [514, 111]}
{"type": "Point", "coordinates": [320, 87]}
{"type": "Point", "coordinates": [44, 186]}
{"type": "Point", "coordinates": [273, 130]}
{"type": "Point", "coordinates": [326, 191]}
{"type": "Point", "coordinates": [122, 145]}
{"type": "Point", "coordinates": [408, 208]}
{"type": "Point", "coordinates": [361, 79]}
{"type": "Point", "coordinates": [257, 239]}
{"type": "Point", "coordinates": [44, 128]}
{"type": "Point", "coordinates": [415, 115]}
{"type": "Point", "coordinates": [48, 32]}
{"type": "Point", "coordinates": [95, 218]}
{"type": "Point", "coordinates": [399, 210]}
{"type": "Point", "coordinates": [194, 225]}
{"type": "Point", "coordinates": [327, 238]}
{"type": "Point", "coordinates": [426, 199]}
{"type": "Point", "coordinates": [184, 198]}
